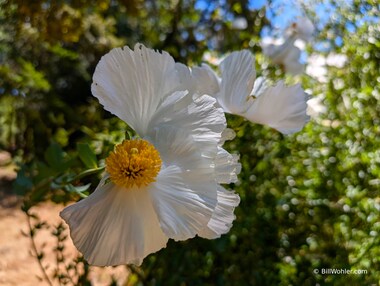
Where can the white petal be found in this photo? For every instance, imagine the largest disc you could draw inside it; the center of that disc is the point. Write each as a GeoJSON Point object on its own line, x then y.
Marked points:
{"type": "Point", "coordinates": [293, 55]}
{"type": "Point", "coordinates": [115, 226]}
{"type": "Point", "coordinates": [198, 80]}
{"type": "Point", "coordinates": [223, 216]}
{"type": "Point", "coordinates": [278, 51]}
{"type": "Point", "coordinates": [238, 76]}
{"type": "Point", "coordinates": [228, 134]}
{"type": "Point", "coordinates": [280, 107]}
{"type": "Point", "coordinates": [294, 67]}
{"type": "Point", "coordinates": [226, 167]}
{"type": "Point", "coordinates": [300, 44]}
{"type": "Point", "coordinates": [291, 61]}
{"type": "Point", "coordinates": [271, 46]}
{"type": "Point", "coordinates": [199, 119]}
{"type": "Point", "coordinates": [260, 86]}
{"type": "Point", "coordinates": [131, 84]}
{"type": "Point", "coordinates": [185, 77]}
{"type": "Point", "coordinates": [178, 148]}
{"type": "Point", "coordinates": [183, 200]}
{"type": "Point", "coordinates": [304, 28]}
{"type": "Point", "coordinates": [207, 80]}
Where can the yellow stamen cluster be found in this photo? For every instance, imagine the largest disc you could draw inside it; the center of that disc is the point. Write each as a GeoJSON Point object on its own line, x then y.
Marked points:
{"type": "Point", "coordinates": [133, 163]}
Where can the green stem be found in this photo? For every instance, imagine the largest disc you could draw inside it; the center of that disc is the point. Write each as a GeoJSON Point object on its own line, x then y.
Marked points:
{"type": "Point", "coordinates": [86, 173]}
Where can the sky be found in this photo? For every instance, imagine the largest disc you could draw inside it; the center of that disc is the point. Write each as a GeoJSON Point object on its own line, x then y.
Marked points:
{"type": "Point", "coordinates": [282, 13]}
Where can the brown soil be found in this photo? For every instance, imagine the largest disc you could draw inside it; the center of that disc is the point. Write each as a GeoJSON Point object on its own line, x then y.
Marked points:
{"type": "Point", "coordinates": [17, 264]}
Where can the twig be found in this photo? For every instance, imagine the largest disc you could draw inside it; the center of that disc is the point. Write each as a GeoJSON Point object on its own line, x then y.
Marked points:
{"type": "Point", "coordinates": [34, 247]}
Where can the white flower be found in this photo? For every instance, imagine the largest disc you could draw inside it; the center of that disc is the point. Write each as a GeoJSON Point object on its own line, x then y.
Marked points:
{"type": "Point", "coordinates": [279, 106]}
{"type": "Point", "coordinates": [316, 67]}
{"type": "Point", "coordinates": [284, 53]}
{"type": "Point", "coordinates": [303, 28]}
{"type": "Point", "coordinates": [286, 50]}
{"type": "Point", "coordinates": [164, 185]}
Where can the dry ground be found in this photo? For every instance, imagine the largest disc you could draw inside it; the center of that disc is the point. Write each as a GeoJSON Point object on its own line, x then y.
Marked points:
{"type": "Point", "coordinates": [17, 265]}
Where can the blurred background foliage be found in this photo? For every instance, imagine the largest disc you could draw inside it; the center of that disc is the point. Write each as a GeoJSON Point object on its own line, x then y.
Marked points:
{"type": "Point", "coordinates": [310, 200]}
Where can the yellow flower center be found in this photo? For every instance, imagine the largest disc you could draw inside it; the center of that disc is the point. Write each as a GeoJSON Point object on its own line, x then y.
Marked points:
{"type": "Point", "coordinates": [133, 163]}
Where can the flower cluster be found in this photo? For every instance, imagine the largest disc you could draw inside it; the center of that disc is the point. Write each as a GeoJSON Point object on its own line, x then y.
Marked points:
{"type": "Point", "coordinates": [166, 183]}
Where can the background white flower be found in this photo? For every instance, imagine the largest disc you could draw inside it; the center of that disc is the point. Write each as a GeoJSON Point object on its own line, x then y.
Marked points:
{"type": "Point", "coordinates": [120, 224]}
{"type": "Point", "coordinates": [284, 53]}
{"type": "Point", "coordinates": [286, 50]}
{"type": "Point", "coordinates": [302, 28]}
{"type": "Point", "coordinates": [316, 67]}
{"type": "Point", "coordinates": [315, 106]}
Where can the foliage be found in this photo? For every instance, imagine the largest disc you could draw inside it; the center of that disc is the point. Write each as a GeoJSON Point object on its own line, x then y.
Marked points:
{"type": "Point", "coordinates": [308, 201]}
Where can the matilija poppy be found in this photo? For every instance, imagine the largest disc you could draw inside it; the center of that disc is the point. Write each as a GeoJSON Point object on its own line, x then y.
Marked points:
{"type": "Point", "coordinates": [286, 51]}
{"type": "Point", "coordinates": [239, 92]}
{"type": "Point", "coordinates": [165, 183]}
{"type": "Point", "coordinates": [302, 28]}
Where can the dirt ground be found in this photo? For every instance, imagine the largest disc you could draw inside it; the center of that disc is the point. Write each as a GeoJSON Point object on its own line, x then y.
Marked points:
{"type": "Point", "coordinates": [17, 265]}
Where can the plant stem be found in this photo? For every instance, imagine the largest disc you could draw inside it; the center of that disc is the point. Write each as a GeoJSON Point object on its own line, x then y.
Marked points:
{"type": "Point", "coordinates": [34, 247]}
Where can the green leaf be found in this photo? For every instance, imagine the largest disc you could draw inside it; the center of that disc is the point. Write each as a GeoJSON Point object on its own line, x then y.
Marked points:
{"type": "Point", "coordinates": [83, 188]}
{"type": "Point", "coordinates": [54, 156]}
{"type": "Point", "coordinates": [22, 183]}
{"type": "Point", "coordinates": [87, 155]}
{"type": "Point", "coordinates": [80, 190]}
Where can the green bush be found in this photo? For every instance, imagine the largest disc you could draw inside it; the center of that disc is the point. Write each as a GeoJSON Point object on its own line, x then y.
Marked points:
{"type": "Point", "coordinates": [308, 201]}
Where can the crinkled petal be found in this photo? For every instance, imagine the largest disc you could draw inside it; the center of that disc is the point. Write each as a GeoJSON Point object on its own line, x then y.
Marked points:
{"type": "Point", "coordinates": [280, 107]}
{"type": "Point", "coordinates": [238, 76]}
{"type": "Point", "coordinates": [132, 83]}
{"type": "Point", "coordinates": [228, 134]}
{"type": "Point", "coordinates": [223, 216]}
{"type": "Point", "coordinates": [198, 118]}
{"type": "Point", "coordinates": [184, 201]}
{"type": "Point", "coordinates": [115, 226]}
{"type": "Point", "coordinates": [198, 80]}
{"type": "Point", "coordinates": [226, 167]}
{"type": "Point", "coordinates": [206, 80]}
{"type": "Point", "coordinates": [177, 147]}
{"type": "Point", "coordinates": [186, 79]}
